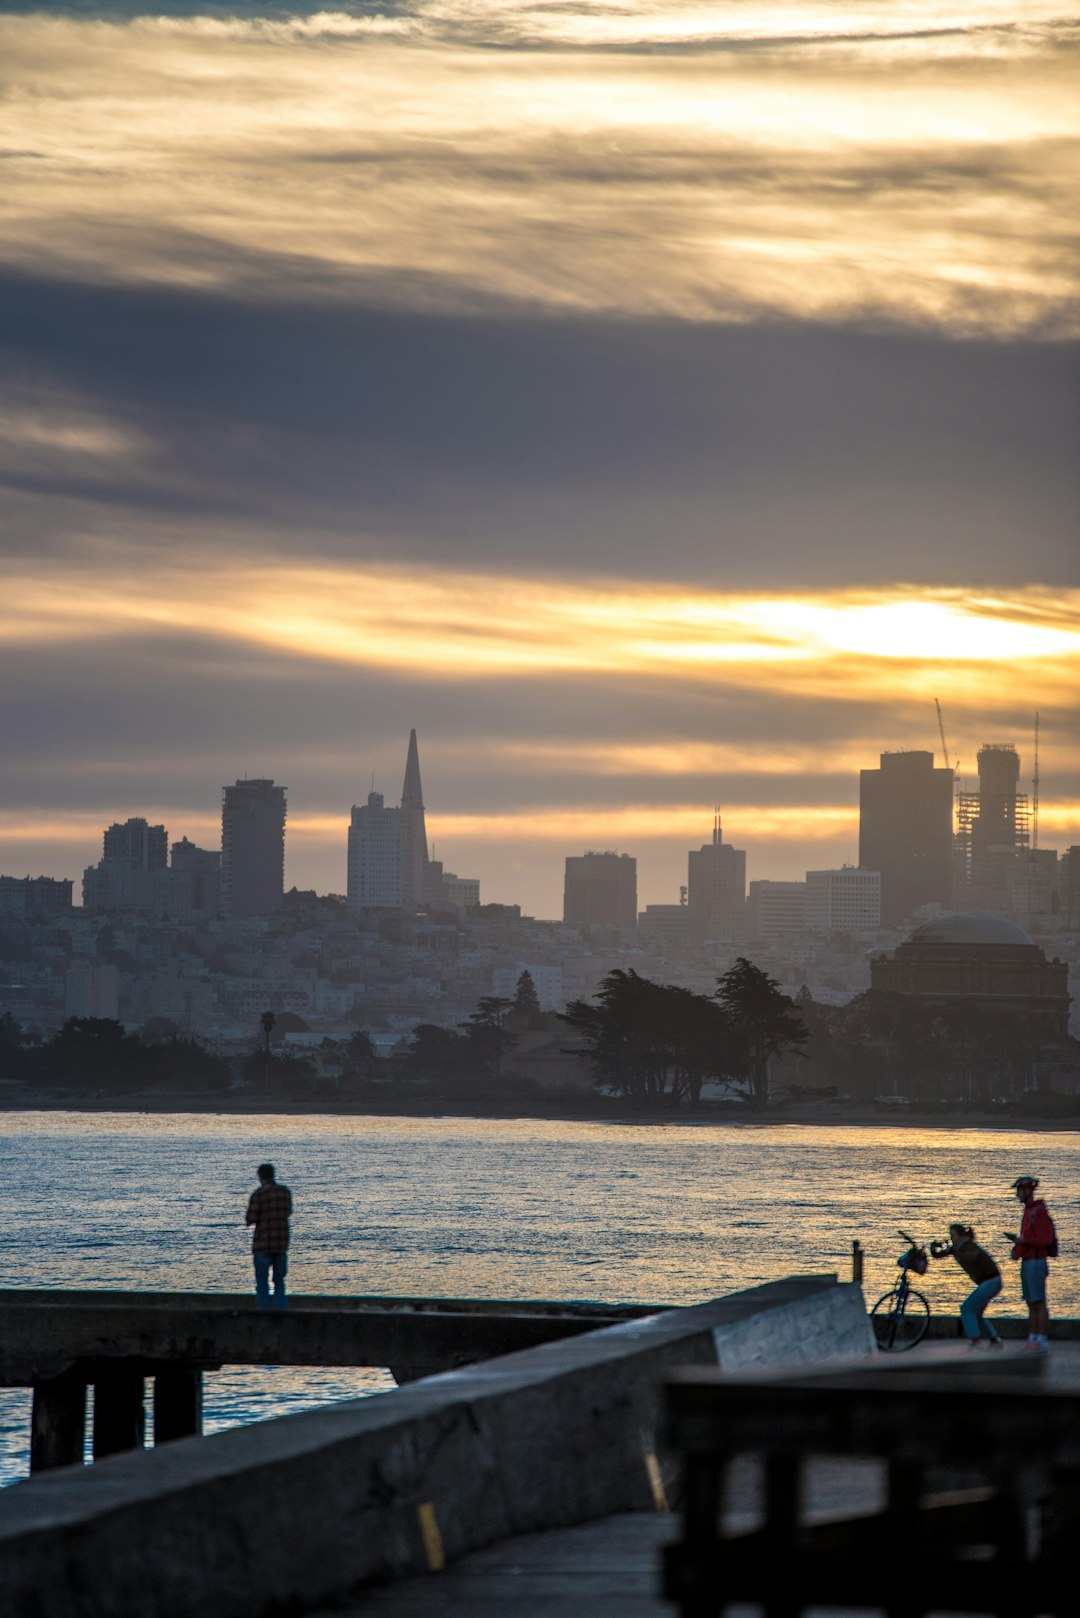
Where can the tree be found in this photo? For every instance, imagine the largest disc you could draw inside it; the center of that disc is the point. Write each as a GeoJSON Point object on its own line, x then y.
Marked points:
{"type": "Point", "coordinates": [526, 1001]}
{"type": "Point", "coordinates": [360, 1056]}
{"type": "Point", "coordinates": [486, 1038]}
{"type": "Point", "coordinates": [762, 1017]}
{"type": "Point", "coordinates": [14, 1058]}
{"type": "Point", "coordinates": [96, 1052]}
{"type": "Point", "coordinates": [653, 1042]}
{"type": "Point", "coordinates": [266, 1023]}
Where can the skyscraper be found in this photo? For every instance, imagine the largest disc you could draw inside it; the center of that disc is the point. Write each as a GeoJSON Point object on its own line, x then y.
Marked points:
{"type": "Point", "coordinates": [138, 846]}
{"type": "Point", "coordinates": [993, 828]}
{"type": "Point", "coordinates": [252, 848]}
{"type": "Point", "coordinates": [600, 890]}
{"type": "Point", "coordinates": [905, 832]}
{"type": "Point", "coordinates": [388, 852]}
{"type": "Point", "coordinates": [375, 856]}
{"type": "Point", "coordinates": [414, 848]}
{"type": "Point", "coordinates": [716, 888]}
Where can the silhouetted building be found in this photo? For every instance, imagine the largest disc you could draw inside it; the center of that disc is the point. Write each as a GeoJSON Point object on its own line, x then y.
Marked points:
{"type": "Point", "coordinates": [992, 828]}
{"type": "Point", "coordinates": [905, 832]}
{"type": "Point", "coordinates": [670, 922]}
{"type": "Point", "coordinates": [843, 901]}
{"type": "Point", "coordinates": [388, 853]}
{"type": "Point", "coordinates": [201, 869]}
{"type": "Point", "coordinates": [600, 890]}
{"type": "Point", "coordinates": [414, 849]}
{"type": "Point", "coordinates": [137, 845]}
{"type": "Point", "coordinates": [25, 897]}
{"type": "Point", "coordinates": [716, 888]}
{"type": "Point", "coordinates": [983, 961]}
{"type": "Point", "coordinates": [775, 908]}
{"type": "Point", "coordinates": [1069, 882]}
{"type": "Point", "coordinates": [375, 856]}
{"type": "Point", "coordinates": [133, 872]}
{"type": "Point", "coordinates": [252, 848]}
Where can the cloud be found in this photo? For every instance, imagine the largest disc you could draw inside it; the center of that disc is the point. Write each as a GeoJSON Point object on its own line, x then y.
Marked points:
{"type": "Point", "coordinates": [628, 166]}
{"type": "Point", "coordinates": [793, 453]}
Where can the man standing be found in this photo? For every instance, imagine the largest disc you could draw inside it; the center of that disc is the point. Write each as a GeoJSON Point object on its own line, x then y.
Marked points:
{"type": "Point", "coordinates": [268, 1210]}
{"type": "Point", "coordinates": [1036, 1243]}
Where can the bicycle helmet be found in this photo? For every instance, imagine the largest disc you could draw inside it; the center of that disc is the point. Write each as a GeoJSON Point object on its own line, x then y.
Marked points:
{"type": "Point", "coordinates": [1024, 1179]}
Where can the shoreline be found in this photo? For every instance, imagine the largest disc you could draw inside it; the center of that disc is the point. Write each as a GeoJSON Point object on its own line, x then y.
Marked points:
{"type": "Point", "coordinates": [180, 1103]}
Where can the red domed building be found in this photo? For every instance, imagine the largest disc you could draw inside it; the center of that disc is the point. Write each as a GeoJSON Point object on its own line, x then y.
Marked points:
{"type": "Point", "coordinates": [980, 960]}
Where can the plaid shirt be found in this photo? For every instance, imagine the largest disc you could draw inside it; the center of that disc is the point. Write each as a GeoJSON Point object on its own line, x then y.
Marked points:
{"type": "Point", "coordinates": [269, 1211]}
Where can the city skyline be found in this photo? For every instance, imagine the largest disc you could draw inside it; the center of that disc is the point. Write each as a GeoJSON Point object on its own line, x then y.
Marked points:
{"type": "Point", "coordinates": [546, 869]}
{"type": "Point", "coordinates": [691, 400]}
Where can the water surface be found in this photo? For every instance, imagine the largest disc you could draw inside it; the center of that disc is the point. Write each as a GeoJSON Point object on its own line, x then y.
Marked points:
{"type": "Point", "coordinates": [667, 1213]}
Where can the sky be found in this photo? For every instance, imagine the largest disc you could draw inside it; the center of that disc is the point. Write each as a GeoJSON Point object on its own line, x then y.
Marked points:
{"type": "Point", "coordinates": [656, 405]}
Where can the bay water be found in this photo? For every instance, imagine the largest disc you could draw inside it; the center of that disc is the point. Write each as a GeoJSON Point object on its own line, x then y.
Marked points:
{"type": "Point", "coordinates": [482, 1208]}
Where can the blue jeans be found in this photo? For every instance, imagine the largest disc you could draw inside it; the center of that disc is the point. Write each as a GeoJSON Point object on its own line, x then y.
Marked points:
{"type": "Point", "coordinates": [264, 1262]}
{"type": "Point", "coordinates": [971, 1310]}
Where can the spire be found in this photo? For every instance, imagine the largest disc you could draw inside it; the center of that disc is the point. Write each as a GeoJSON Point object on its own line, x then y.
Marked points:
{"type": "Point", "coordinates": [414, 830]}
{"type": "Point", "coordinates": [717, 829]}
{"type": "Point", "coordinates": [412, 796]}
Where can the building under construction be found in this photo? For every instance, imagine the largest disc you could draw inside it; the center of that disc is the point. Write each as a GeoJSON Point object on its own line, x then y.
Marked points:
{"type": "Point", "coordinates": [993, 827]}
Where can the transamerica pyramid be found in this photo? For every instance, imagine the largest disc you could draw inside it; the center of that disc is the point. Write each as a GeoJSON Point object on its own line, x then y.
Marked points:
{"type": "Point", "coordinates": [414, 830]}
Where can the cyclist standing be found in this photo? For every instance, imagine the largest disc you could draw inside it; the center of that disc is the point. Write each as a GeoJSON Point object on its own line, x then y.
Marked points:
{"type": "Point", "coordinates": [978, 1264]}
{"type": "Point", "coordinates": [1036, 1243]}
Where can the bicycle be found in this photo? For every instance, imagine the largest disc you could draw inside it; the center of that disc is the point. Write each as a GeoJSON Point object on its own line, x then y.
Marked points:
{"type": "Point", "coordinates": [900, 1318]}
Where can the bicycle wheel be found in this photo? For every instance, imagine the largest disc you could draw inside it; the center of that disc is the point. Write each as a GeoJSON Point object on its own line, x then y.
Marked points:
{"type": "Point", "coordinates": [899, 1325]}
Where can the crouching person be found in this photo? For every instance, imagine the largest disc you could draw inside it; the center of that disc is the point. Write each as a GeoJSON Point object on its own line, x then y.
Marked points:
{"type": "Point", "coordinates": [977, 1263]}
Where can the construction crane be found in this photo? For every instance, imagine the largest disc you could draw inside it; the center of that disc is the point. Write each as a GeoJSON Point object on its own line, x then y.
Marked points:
{"type": "Point", "coordinates": [944, 743]}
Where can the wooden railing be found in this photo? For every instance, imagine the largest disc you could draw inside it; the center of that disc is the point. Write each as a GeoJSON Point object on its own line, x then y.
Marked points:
{"type": "Point", "coordinates": [980, 1510]}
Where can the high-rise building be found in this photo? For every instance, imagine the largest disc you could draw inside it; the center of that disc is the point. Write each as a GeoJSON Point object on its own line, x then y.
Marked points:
{"type": "Point", "coordinates": [993, 828]}
{"type": "Point", "coordinates": [843, 901]}
{"type": "Point", "coordinates": [774, 909]}
{"type": "Point", "coordinates": [23, 897]}
{"type": "Point", "coordinates": [252, 848]}
{"type": "Point", "coordinates": [138, 846]}
{"type": "Point", "coordinates": [716, 888]}
{"type": "Point", "coordinates": [414, 849]}
{"type": "Point", "coordinates": [375, 856]}
{"type": "Point", "coordinates": [905, 832]}
{"type": "Point", "coordinates": [201, 869]}
{"type": "Point", "coordinates": [388, 850]}
{"type": "Point", "coordinates": [600, 890]}
{"type": "Point", "coordinates": [133, 872]}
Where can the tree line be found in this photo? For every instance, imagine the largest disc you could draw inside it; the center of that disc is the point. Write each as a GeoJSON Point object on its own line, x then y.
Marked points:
{"type": "Point", "coordinates": [657, 1044]}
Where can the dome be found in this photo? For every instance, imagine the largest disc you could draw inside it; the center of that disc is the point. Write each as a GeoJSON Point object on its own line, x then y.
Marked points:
{"type": "Point", "coordinates": [971, 927]}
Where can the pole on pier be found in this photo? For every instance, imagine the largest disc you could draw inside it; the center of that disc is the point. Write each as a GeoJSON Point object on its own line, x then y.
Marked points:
{"type": "Point", "coordinates": [857, 1256]}
{"type": "Point", "coordinates": [178, 1395]}
{"type": "Point", "coordinates": [58, 1421]}
{"type": "Point", "coordinates": [119, 1412]}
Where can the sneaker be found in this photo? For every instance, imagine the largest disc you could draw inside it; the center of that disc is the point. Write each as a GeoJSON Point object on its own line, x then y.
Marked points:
{"type": "Point", "coordinates": [1035, 1346]}
{"type": "Point", "coordinates": [994, 1342]}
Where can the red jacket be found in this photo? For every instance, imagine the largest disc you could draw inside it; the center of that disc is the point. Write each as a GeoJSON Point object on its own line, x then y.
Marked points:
{"type": "Point", "coordinates": [1036, 1231]}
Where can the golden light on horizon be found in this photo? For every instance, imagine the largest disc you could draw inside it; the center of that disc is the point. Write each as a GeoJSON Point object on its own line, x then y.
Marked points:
{"type": "Point", "coordinates": [383, 617]}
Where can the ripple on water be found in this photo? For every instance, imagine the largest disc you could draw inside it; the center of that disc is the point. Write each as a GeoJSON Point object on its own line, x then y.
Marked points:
{"type": "Point", "coordinates": [493, 1208]}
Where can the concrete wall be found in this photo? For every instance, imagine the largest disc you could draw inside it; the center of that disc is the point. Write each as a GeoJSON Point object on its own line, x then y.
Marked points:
{"type": "Point", "coordinates": [280, 1516]}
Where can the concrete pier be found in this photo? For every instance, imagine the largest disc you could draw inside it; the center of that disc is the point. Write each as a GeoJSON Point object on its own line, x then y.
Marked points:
{"type": "Point", "coordinates": [288, 1514]}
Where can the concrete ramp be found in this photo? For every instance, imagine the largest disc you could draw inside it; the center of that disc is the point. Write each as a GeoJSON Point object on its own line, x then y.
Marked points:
{"type": "Point", "coordinates": [281, 1516]}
